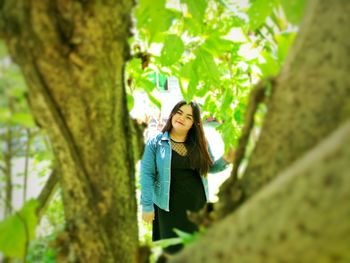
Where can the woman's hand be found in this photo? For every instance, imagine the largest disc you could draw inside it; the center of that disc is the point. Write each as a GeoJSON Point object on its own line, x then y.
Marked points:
{"type": "Point", "coordinates": [148, 217]}
{"type": "Point", "coordinates": [230, 155]}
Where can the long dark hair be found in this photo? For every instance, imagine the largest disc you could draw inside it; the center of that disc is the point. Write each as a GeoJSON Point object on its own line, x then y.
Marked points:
{"type": "Point", "coordinates": [195, 141]}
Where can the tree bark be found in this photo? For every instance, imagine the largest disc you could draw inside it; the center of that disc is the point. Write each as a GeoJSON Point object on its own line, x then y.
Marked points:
{"type": "Point", "coordinates": [311, 98]}
{"type": "Point", "coordinates": [47, 192]}
{"type": "Point", "coordinates": [72, 55]}
{"type": "Point", "coordinates": [301, 216]}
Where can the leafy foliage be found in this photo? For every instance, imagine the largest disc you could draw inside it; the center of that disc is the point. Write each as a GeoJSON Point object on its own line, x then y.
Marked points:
{"type": "Point", "coordinates": [183, 238]}
{"type": "Point", "coordinates": [216, 49]}
{"type": "Point", "coordinates": [20, 139]}
{"type": "Point", "coordinates": [17, 230]}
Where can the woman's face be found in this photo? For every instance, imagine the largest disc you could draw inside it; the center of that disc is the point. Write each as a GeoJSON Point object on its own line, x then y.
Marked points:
{"type": "Point", "coordinates": [182, 120]}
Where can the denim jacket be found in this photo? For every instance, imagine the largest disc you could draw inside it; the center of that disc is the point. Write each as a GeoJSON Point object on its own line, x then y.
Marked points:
{"type": "Point", "coordinates": [155, 173]}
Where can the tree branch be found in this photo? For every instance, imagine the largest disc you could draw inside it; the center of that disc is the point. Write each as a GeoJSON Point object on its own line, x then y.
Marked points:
{"type": "Point", "coordinates": [289, 219]}
{"type": "Point", "coordinates": [231, 192]}
{"type": "Point", "coordinates": [47, 192]}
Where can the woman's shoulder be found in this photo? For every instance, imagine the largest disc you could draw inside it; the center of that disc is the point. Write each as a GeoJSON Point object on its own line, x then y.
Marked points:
{"type": "Point", "coordinates": [157, 137]}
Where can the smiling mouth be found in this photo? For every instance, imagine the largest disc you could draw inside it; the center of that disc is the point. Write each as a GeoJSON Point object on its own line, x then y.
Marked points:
{"type": "Point", "coordinates": [180, 123]}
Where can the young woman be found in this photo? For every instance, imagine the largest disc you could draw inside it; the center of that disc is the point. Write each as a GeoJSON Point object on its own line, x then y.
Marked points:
{"type": "Point", "coordinates": [173, 173]}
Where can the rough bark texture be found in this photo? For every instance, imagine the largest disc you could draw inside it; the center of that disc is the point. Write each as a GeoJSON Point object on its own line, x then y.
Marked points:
{"type": "Point", "coordinates": [302, 216]}
{"type": "Point", "coordinates": [72, 55]}
{"type": "Point", "coordinates": [310, 99]}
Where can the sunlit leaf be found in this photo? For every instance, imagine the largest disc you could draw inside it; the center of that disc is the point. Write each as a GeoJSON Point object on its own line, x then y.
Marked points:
{"type": "Point", "coordinates": [147, 84]}
{"type": "Point", "coordinates": [4, 115]}
{"type": "Point", "coordinates": [154, 100]}
{"type": "Point", "coordinates": [284, 42]}
{"type": "Point", "coordinates": [294, 9]}
{"type": "Point", "coordinates": [196, 8]}
{"type": "Point", "coordinates": [168, 242]}
{"type": "Point", "coordinates": [205, 65]}
{"type": "Point", "coordinates": [192, 89]}
{"type": "Point", "coordinates": [183, 85]}
{"type": "Point", "coordinates": [258, 12]}
{"type": "Point", "coordinates": [192, 25]}
{"type": "Point", "coordinates": [202, 91]}
{"type": "Point", "coordinates": [23, 119]}
{"type": "Point", "coordinates": [14, 235]}
{"type": "Point", "coordinates": [130, 101]}
{"type": "Point", "coordinates": [217, 45]}
{"type": "Point", "coordinates": [187, 70]}
{"type": "Point", "coordinates": [186, 237]}
{"type": "Point", "coordinates": [153, 17]}
{"type": "Point", "coordinates": [228, 97]}
{"type": "Point", "coordinates": [172, 50]}
{"type": "Point", "coordinates": [271, 67]}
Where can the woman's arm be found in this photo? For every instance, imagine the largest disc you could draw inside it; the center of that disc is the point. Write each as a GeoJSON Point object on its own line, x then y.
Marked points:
{"type": "Point", "coordinates": [147, 177]}
{"type": "Point", "coordinates": [221, 163]}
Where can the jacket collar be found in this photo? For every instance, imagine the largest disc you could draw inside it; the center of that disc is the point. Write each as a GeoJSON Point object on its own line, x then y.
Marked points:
{"type": "Point", "coordinates": [165, 136]}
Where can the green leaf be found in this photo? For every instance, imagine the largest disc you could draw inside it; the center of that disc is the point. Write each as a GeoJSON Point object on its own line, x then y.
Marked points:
{"type": "Point", "coordinates": [259, 11]}
{"type": "Point", "coordinates": [153, 18]}
{"type": "Point", "coordinates": [188, 80]}
{"type": "Point", "coordinates": [146, 84]}
{"type": "Point", "coordinates": [192, 88]}
{"type": "Point", "coordinates": [217, 45]}
{"type": "Point", "coordinates": [186, 237]}
{"type": "Point", "coordinates": [202, 91]}
{"type": "Point", "coordinates": [13, 238]}
{"type": "Point", "coordinates": [196, 8]}
{"type": "Point", "coordinates": [206, 66]}
{"type": "Point", "coordinates": [172, 50]}
{"type": "Point", "coordinates": [23, 119]}
{"type": "Point", "coordinates": [227, 100]}
{"type": "Point", "coordinates": [192, 26]}
{"type": "Point", "coordinates": [130, 101]}
{"type": "Point", "coordinates": [187, 72]}
{"type": "Point", "coordinates": [238, 114]}
{"type": "Point", "coordinates": [294, 9]}
{"type": "Point", "coordinates": [168, 242]}
{"type": "Point", "coordinates": [5, 115]}
{"type": "Point", "coordinates": [154, 100]}
{"type": "Point", "coordinates": [284, 41]}
{"type": "Point", "coordinates": [271, 67]}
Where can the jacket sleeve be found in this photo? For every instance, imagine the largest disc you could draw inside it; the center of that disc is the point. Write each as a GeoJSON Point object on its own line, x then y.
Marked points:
{"type": "Point", "coordinates": [217, 165]}
{"type": "Point", "coordinates": [148, 174]}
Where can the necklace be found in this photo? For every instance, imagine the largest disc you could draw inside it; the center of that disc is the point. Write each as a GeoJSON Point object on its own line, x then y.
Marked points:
{"type": "Point", "coordinates": [176, 141]}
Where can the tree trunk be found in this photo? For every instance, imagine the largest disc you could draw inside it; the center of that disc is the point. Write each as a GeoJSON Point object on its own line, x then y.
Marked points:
{"type": "Point", "coordinates": [310, 100]}
{"type": "Point", "coordinates": [302, 216]}
{"type": "Point", "coordinates": [72, 55]}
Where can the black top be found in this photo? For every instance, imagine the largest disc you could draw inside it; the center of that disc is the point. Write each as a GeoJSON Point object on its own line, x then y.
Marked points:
{"type": "Point", "coordinates": [186, 187]}
{"type": "Point", "coordinates": [186, 193]}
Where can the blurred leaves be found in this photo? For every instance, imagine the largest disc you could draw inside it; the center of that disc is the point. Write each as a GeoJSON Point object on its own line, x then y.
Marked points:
{"type": "Point", "coordinates": [153, 18]}
{"type": "Point", "coordinates": [17, 230]}
{"type": "Point", "coordinates": [259, 11]}
{"type": "Point", "coordinates": [196, 8]}
{"type": "Point", "coordinates": [294, 10]}
{"type": "Point", "coordinates": [172, 50]}
{"type": "Point", "coordinates": [218, 50]}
